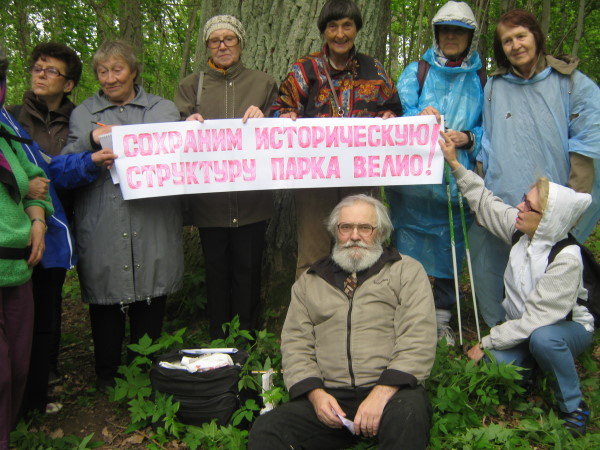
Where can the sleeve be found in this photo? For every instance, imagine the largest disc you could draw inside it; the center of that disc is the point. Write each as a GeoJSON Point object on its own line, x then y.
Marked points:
{"type": "Point", "coordinates": [72, 170]}
{"type": "Point", "coordinates": [302, 373]}
{"type": "Point", "coordinates": [389, 99]}
{"type": "Point", "coordinates": [32, 171]}
{"type": "Point", "coordinates": [292, 98]}
{"type": "Point", "coordinates": [408, 90]}
{"type": "Point", "coordinates": [552, 299]}
{"type": "Point", "coordinates": [186, 94]}
{"type": "Point", "coordinates": [415, 324]}
{"type": "Point", "coordinates": [270, 99]}
{"type": "Point", "coordinates": [584, 128]}
{"type": "Point", "coordinates": [495, 215]}
{"type": "Point", "coordinates": [80, 128]}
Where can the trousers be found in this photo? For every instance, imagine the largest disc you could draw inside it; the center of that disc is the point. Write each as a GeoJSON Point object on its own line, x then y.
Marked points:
{"type": "Point", "coordinates": [405, 423]}
{"type": "Point", "coordinates": [16, 330]}
{"type": "Point", "coordinates": [553, 348]}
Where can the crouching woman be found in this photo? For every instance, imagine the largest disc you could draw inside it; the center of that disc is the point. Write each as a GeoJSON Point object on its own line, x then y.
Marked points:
{"type": "Point", "coordinates": [544, 326]}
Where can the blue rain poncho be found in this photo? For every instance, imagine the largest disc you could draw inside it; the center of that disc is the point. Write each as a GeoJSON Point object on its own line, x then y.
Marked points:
{"type": "Point", "coordinates": [531, 126]}
{"type": "Point", "coordinates": [420, 213]}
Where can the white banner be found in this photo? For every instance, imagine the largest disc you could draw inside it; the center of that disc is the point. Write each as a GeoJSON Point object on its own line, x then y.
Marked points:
{"type": "Point", "coordinates": [225, 155]}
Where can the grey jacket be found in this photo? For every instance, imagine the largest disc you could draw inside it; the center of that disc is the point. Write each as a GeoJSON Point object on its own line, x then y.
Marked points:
{"type": "Point", "coordinates": [385, 335]}
{"type": "Point", "coordinates": [128, 250]}
{"type": "Point", "coordinates": [227, 95]}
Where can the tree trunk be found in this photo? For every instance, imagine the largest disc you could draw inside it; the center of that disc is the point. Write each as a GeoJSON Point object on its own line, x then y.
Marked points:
{"type": "Point", "coordinates": [130, 24]}
{"type": "Point", "coordinates": [191, 29]}
{"type": "Point", "coordinates": [545, 22]}
{"type": "Point", "coordinates": [278, 33]}
{"type": "Point", "coordinates": [579, 29]}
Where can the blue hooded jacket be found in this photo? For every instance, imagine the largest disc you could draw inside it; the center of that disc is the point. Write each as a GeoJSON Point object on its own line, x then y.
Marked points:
{"type": "Point", "coordinates": [420, 213]}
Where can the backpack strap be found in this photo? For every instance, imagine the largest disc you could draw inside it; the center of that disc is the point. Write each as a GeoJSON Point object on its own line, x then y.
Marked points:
{"type": "Point", "coordinates": [422, 71]}
{"type": "Point", "coordinates": [199, 92]}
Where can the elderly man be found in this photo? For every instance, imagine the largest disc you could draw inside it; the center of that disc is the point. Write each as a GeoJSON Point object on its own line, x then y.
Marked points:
{"type": "Point", "coordinates": [358, 340]}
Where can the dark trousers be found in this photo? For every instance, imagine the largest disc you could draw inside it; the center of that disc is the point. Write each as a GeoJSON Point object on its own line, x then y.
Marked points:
{"type": "Point", "coordinates": [405, 423]}
{"type": "Point", "coordinates": [108, 331]}
{"type": "Point", "coordinates": [233, 261]}
{"type": "Point", "coordinates": [16, 329]}
{"type": "Point", "coordinates": [47, 298]}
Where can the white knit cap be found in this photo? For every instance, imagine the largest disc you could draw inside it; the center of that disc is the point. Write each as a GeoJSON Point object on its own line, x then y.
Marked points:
{"type": "Point", "coordinates": [225, 22]}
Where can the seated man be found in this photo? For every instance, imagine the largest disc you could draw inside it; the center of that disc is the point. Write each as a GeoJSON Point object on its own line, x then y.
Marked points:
{"type": "Point", "coordinates": [358, 339]}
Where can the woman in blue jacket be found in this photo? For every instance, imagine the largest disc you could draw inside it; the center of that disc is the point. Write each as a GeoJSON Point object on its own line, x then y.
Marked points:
{"type": "Point", "coordinates": [452, 87]}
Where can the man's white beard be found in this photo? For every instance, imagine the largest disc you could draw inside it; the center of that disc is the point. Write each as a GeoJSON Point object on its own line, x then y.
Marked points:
{"type": "Point", "coordinates": [353, 259]}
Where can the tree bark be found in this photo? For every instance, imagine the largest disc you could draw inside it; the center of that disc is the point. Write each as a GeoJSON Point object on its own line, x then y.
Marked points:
{"type": "Point", "coordinates": [278, 33]}
{"type": "Point", "coordinates": [579, 29]}
{"type": "Point", "coordinates": [130, 24]}
{"type": "Point", "coordinates": [545, 22]}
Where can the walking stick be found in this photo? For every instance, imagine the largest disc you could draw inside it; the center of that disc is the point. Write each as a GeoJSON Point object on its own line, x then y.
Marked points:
{"type": "Point", "coordinates": [468, 254]}
{"type": "Point", "coordinates": [452, 242]}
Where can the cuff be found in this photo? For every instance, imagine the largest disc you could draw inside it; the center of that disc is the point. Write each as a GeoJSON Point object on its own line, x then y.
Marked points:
{"type": "Point", "coordinates": [393, 377]}
{"type": "Point", "coordinates": [486, 342]}
{"type": "Point", "coordinates": [459, 172]}
{"type": "Point", "coordinates": [304, 386]}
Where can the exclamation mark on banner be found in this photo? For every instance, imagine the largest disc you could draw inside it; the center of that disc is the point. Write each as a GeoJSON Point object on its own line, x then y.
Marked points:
{"type": "Point", "coordinates": [435, 135]}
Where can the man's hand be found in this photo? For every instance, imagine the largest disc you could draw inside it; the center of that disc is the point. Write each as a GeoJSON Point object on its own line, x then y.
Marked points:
{"type": "Point", "coordinates": [476, 353]}
{"type": "Point", "coordinates": [38, 188]}
{"type": "Point", "coordinates": [323, 403]}
{"type": "Point", "coordinates": [431, 111]}
{"type": "Point", "coordinates": [368, 416]}
{"type": "Point", "coordinates": [104, 157]}
{"type": "Point", "coordinates": [291, 115]}
{"type": "Point", "coordinates": [253, 112]}
{"type": "Point", "coordinates": [195, 116]}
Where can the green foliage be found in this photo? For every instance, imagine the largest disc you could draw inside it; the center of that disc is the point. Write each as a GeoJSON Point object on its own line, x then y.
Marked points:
{"type": "Point", "coordinates": [24, 437]}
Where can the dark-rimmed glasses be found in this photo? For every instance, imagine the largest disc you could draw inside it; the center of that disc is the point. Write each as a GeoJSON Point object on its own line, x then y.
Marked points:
{"type": "Point", "coordinates": [229, 41]}
{"type": "Point", "coordinates": [364, 229]}
{"type": "Point", "coordinates": [528, 207]}
{"type": "Point", "coordinates": [50, 72]}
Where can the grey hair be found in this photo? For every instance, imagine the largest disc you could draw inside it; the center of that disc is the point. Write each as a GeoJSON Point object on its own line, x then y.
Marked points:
{"type": "Point", "coordinates": [116, 49]}
{"type": "Point", "coordinates": [3, 62]}
{"type": "Point", "coordinates": [384, 224]}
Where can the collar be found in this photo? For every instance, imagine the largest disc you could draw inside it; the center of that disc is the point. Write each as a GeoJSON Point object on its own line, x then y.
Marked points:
{"type": "Point", "coordinates": [351, 64]}
{"type": "Point", "coordinates": [327, 269]}
{"type": "Point", "coordinates": [539, 67]}
{"type": "Point", "coordinates": [64, 110]}
{"type": "Point", "coordinates": [230, 73]}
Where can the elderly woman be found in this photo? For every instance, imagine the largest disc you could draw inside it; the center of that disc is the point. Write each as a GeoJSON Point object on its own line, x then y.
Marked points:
{"type": "Point", "coordinates": [335, 82]}
{"type": "Point", "coordinates": [540, 117]}
{"type": "Point", "coordinates": [130, 252]}
{"type": "Point", "coordinates": [22, 230]}
{"type": "Point", "coordinates": [544, 325]}
{"type": "Point", "coordinates": [452, 86]}
{"type": "Point", "coordinates": [232, 224]}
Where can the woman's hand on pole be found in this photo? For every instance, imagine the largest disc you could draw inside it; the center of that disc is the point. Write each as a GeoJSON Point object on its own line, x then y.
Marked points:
{"type": "Point", "coordinates": [449, 149]}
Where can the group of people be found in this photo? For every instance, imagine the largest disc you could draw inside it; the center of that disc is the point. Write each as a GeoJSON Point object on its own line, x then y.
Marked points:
{"type": "Point", "coordinates": [361, 330]}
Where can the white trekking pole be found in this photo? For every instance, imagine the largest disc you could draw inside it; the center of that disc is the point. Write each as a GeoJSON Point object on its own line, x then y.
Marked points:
{"type": "Point", "coordinates": [452, 242]}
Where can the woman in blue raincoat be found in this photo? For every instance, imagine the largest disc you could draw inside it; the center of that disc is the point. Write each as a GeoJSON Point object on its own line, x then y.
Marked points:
{"type": "Point", "coordinates": [540, 118]}
{"type": "Point", "coordinates": [445, 83]}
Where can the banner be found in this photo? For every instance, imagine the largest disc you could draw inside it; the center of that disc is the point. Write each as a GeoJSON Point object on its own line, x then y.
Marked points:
{"type": "Point", "coordinates": [177, 158]}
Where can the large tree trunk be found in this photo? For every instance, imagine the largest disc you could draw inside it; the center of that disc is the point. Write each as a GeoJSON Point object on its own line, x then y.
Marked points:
{"type": "Point", "coordinates": [278, 33]}
{"type": "Point", "coordinates": [579, 29]}
{"type": "Point", "coordinates": [130, 23]}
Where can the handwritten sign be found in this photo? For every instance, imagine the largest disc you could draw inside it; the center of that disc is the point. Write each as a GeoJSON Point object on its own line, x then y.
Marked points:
{"type": "Point", "coordinates": [225, 155]}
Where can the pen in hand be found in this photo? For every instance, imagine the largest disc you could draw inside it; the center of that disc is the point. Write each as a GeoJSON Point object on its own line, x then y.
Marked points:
{"type": "Point", "coordinates": [100, 124]}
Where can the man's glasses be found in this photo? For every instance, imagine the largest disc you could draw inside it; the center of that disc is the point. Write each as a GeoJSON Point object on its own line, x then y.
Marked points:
{"type": "Point", "coordinates": [528, 207]}
{"type": "Point", "coordinates": [50, 72]}
{"type": "Point", "coordinates": [364, 229]}
{"type": "Point", "coordinates": [229, 41]}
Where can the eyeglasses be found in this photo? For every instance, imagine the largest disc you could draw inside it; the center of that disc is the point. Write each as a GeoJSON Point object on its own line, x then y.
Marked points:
{"type": "Point", "coordinates": [229, 41]}
{"type": "Point", "coordinates": [364, 229]}
{"type": "Point", "coordinates": [528, 207]}
{"type": "Point", "coordinates": [50, 72]}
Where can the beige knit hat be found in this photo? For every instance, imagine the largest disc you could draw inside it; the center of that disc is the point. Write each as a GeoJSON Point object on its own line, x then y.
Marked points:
{"type": "Point", "coordinates": [225, 22]}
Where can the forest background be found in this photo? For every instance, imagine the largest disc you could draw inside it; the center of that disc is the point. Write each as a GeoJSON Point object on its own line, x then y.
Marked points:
{"type": "Point", "coordinates": [165, 33]}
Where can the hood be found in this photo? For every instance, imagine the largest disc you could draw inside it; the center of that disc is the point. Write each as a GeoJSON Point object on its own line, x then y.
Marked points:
{"type": "Point", "coordinates": [564, 208]}
{"type": "Point", "coordinates": [455, 13]}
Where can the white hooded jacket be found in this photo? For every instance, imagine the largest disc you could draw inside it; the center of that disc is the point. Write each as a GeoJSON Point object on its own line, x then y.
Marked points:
{"type": "Point", "coordinates": [537, 294]}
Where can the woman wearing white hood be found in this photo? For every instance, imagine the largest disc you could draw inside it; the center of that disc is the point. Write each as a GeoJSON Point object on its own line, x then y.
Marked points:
{"type": "Point", "coordinates": [544, 326]}
{"type": "Point", "coordinates": [448, 80]}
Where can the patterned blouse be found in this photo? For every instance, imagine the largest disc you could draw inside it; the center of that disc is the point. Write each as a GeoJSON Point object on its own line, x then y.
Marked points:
{"type": "Point", "coordinates": [363, 89]}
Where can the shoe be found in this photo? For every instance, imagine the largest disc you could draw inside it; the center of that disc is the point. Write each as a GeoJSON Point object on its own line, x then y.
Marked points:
{"type": "Point", "coordinates": [54, 377]}
{"type": "Point", "coordinates": [53, 408]}
{"type": "Point", "coordinates": [577, 421]}
{"type": "Point", "coordinates": [444, 331]}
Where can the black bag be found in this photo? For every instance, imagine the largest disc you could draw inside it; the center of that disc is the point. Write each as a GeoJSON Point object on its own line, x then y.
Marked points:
{"type": "Point", "coordinates": [203, 396]}
{"type": "Point", "coordinates": [591, 273]}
